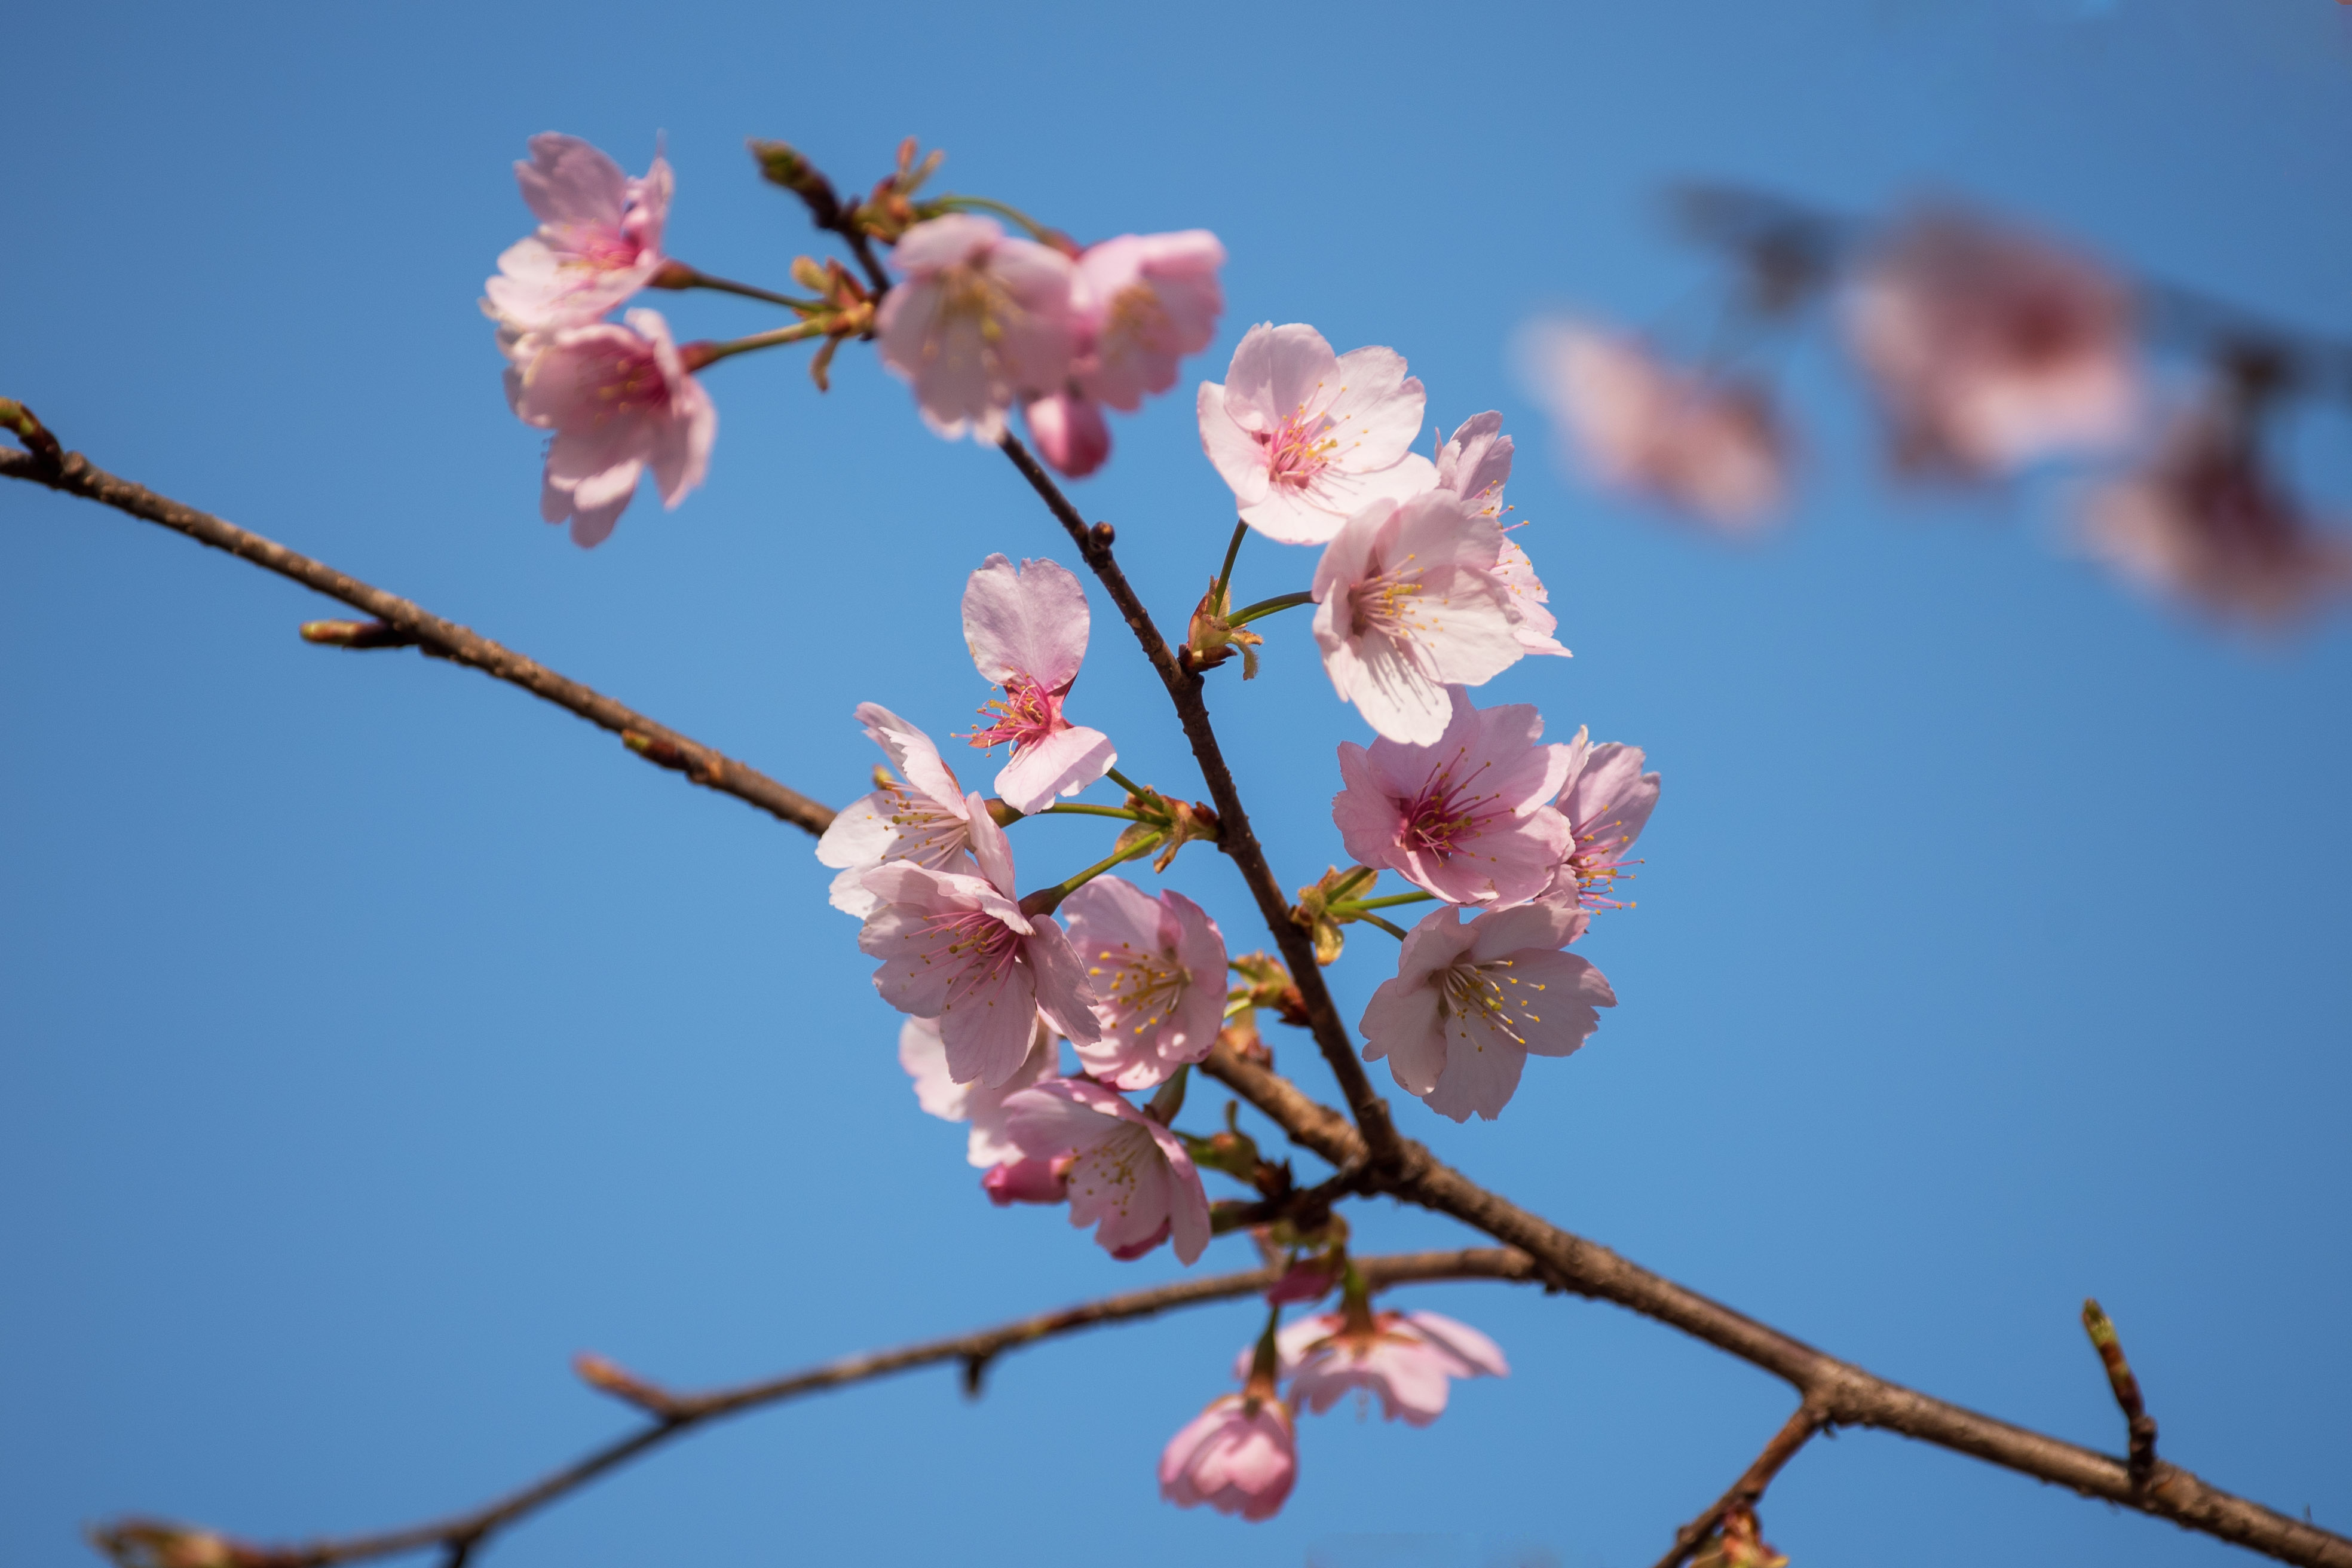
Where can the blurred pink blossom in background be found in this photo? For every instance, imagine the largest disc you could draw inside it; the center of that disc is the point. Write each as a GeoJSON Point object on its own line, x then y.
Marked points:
{"type": "Point", "coordinates": [620, 401]}
{"type": "Point", "coordinates": [980, 323]}
{"type": "Point", "coordinates": [1239, 1455]}
{"type": "Point", "coordinates": [1129, 1177]}
{"type": "Point", "coordinates": [1989, 348]}
{"type": "Point", "coordinates": [1407, 1359]}
{"type": "Point", "coordinates": [1704, 445]}
{"type": "Point", "coordinates": [599, 239]}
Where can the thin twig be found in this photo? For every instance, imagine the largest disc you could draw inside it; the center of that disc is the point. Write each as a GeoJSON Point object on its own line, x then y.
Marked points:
{"type": "Point", "coordinates": [1748, 1490]}
{"type": "Point", "coordinates": [658, 743]}
{"type": "Point", "coordinates": [2137, 1422]}
{"type": "Point", "coordinates": [1238, 842]}
{"type": "Point", "coordinates": [1844, 1394]}
{"type": "Point", "coordinates": [676, 1415]}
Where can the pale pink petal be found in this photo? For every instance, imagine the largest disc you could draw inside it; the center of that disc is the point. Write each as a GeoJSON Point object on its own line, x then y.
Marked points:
{"type": "Point", "coordinates": [1031, 623]}
{"type": "Point", "coordinates": [1230, 450]}
{"type": "Point", "coordinates": [1064, 762]}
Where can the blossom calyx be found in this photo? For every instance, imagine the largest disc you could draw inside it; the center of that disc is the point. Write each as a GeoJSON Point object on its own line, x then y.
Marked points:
{"type": "Point", "coordinates": [1322, 909]}
{"type": "Point", "coordinates": [889, 212]}
{"type": "Point", "coordinates": [1270, 985]}
{"type": "Point", "coordinates": [1175, 822]}
{"type": "Point", "coordinates": [1211, 639]}
{"type": "Point", "coordinates": [1737, 1542]}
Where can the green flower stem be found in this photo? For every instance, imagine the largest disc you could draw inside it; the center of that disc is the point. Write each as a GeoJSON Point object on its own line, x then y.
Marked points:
{"type": "Point", "coordinates": [1356, 906]}
{"type": "Point", "coordinates": [1396, 931]}
{"type": "Point", "coordinates": [1129, 784]}
{"type": "Point", "coordinates": [1141, 847]}
{"type": "Point", "coordinates": [1232, 554]}
{"type": "Point", "coordinates": [697, 355]}
{"type": "Point", "coordinates": [1268, 607]}
{"type": "Point", "coordinates": [1074, 809]}
{"type": "Point", "coordinates": [1037, 231]}
{"type": "Point", "coordinates": [693, 278]}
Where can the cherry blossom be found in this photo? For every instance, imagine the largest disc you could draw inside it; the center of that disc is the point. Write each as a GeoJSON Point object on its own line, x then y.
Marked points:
{"type": "Point", "coordinates": [1306, 437]}
{"type": "Point", "coordinates": [1607, 801]}
{"type": "Point", "coordinates": [1471, 1002]}
{"type": "Point", "coordinates": [1070, 432]}
{"type": "Point", "coordinates": [1699, 443]}
{"type": "Point", "coordinates": [599, 239]}
{"type": "Point", "coordinates": [2203, 522]}
{"type": "Point", "coordinates": [1992, 348]}
{"type": "Point", "coordinates": [1407, 1360]}
{"type": "Point", "coordinates": [924, 1056]}
{"type": "Point", "coordinates": [1128, 1176]}
{"type": "Point", "coordinates": [920, 817]}
{"type": "Point", "coordinates": [1145, 300]}
{"type": "Point", "coordinates": [1476, 464]}
{"type": "Point", "coordinates": [1158, 969]}
{"type": "Point", "coordinates": [1408, 599]}
{"type": "Point", "coordinates": [1027, 632]}
{"type": "Point", "coordinates": [620, 401]}
{"type": "Point", "coordinates": [1467, 817]}
{"type": "Point", "coordinates": [1239, 1455]}
{"type": "Point", "coordinates": [980, 323]}
{"type": "Point", "coordinates": [957, 948]}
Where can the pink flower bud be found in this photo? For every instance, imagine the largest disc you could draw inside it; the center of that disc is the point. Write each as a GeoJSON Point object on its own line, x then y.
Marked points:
{"type": "Point", "coordinates": [1070, 432]}
{"type": "Point", "coordinates": [1028, 1181]}
{"type": "Point", "coordinates": [1239, 1455]}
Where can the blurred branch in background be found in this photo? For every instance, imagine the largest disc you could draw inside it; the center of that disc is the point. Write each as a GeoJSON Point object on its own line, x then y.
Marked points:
{"type": "Point", "coordinates": [1990, 351]}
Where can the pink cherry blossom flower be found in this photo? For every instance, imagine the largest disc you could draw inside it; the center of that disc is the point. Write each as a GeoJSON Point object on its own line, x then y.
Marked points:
{"type": "Point", "coordinates": [599, 239]}
{"type": "Point", "coordinates": [924, 1056]}
{"type": "Point", "coordinates": [1407, 1360]}
{"type": "Point", "coordinates": [920, 817]}
{"type": "Point", "coordinates": [1408, 600]}
{"type": "Point", "coordinates": [981, 322]}
{"type": "Point", "coordinates": [1158, 968]}
{"type": "Point", "coordinates": [1027, 632]}
{"type": "Point", "coordinates": [1467, 817]}
{"type": "Point", "coordinates": [1070, 432]}
{"type": "Point", "coordinates": [620, 401]}
{"type": "Point", "coordinates": [1476, 465]}
{"type": "Point", "coordinates": [2203, 523]}
{"type": "Point", "coordinates": [1992, 348]}
{"type": "Point", "coordinates": [1145, 300]}
{"type": "Point", "coordinates": [1700, 443]}
{"type": "Point", "coordinates": [1239, 1455]}
{"type": "Point", "coordinates": [1607, 801]}
{"type": "Point", "coordinates": [1128, 1177]}
{"type": "Point", "coordinates": [1306, 437]}
{"type": "Point", "coordinates": [957, 948]}
{"type": "Point", "coordinates": [1470, 1003]}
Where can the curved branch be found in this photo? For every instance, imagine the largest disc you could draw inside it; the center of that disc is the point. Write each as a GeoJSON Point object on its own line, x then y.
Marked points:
{"type": "Point", "coordinates": [1237, 840]}
{"type": "Point", "coordinates": [1748, 1490]}
{"type": "Point", "coordinates": [1842, 1393]}
{"type": "Point", "coordinates": [405, 623]}
{"type": "Point", "coordinates": [140, 1541]}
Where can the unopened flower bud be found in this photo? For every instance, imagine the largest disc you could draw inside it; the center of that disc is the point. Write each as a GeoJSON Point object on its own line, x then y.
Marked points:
{"type": "Point", "coordinates": [356, 634]}
{"type": "Point", "coordinates": [1028, 1181]}
{"type": "Point", "coordinates": [143, 1543]}
{"type": "Point", "coordinates": [1736, 1544]}
{"type": "Point", "coordinates": [1071, 433]}
{"type": "Point", "coordinates": [782, 164]}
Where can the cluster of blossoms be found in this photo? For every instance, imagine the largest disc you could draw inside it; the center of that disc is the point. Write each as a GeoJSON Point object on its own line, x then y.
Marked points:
{"type": "Point", "coordinates": [1988, 351]}
{"type": "Point", "coordinates": [981, 324]}
{"type": "Point", "coordinates": [1059, 1023]}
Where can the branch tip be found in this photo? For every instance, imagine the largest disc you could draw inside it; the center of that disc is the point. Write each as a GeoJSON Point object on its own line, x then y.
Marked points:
{"type": "Point", "coordinates": [610, 1377]}
{"type": "Point", "coordinates": [2137, 1422]}
{"type": "Point", "coordinates": [357, 634]}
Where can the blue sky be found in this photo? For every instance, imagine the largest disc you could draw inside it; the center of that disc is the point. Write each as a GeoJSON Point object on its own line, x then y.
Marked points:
{"type": "Point", "coordinates": [372, 1038]}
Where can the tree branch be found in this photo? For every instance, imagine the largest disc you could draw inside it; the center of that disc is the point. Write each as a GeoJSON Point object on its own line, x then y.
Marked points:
{"type": "Point", "coordinates": [144, 1543]}
{"type": "Point", "coordinates": [1844, 1394]}
{"type": "Point", "coordinates": [1748, 1490]}
{"type": "Point", "coordinates": [1237, 840]}
{"type": "Point", "coordinates": [408, 623]}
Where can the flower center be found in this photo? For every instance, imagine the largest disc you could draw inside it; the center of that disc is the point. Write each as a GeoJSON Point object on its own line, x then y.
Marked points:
{"type": "Point", "coordinates": [1597, 862]}
{"type": "Point", "coordinates": [1384, 601]}
{"type": "Point", "coordinates": [627, 382]}
{"type": "Point", "coordinates": [982, 947]}
{"type": "Point", "coordinates": [1490, 996]}
{"type": "Point", "coordinates": [1299, 450]}
{"type": "Point", "coordinates": [1024, 715]}
{"type": "Point", "coordinates": [970, 292]}
{"type": "Point", "coordinates": [1135, 319]}
{"type": "Point", "coordinates": [1146, 987]}
{"type": "Point", "coordinates": [1113, 1166]}
{"type": "Point", "coordinates": [601, 249]}
{"type": "Point", "coordinates": [1444, 815]}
